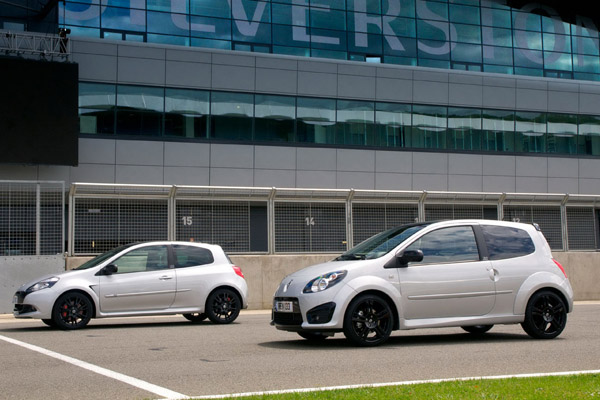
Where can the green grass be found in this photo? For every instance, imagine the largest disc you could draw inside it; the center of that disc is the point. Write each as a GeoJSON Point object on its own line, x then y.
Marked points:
{"type": "Point", "coordinates": [558, 387]}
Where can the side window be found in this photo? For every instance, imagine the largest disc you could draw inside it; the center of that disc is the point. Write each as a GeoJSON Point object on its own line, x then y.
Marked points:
{"type": "Point", "coordinates": [190, 256]}
{"type": "Point", "coordinates": [505, 242]}
{"type": "Point", "coordinates": [149, 258]}
{"type": "Point", "coordinates": [447, 245]}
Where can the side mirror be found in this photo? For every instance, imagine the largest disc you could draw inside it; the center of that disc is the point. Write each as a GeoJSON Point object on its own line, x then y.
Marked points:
{"type": "Point", "coordinates": [402, 259]}
{"type": "Point", "coordinates": [109, 269]}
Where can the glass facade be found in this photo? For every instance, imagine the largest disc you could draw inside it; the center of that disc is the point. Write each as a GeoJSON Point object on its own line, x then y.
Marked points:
{"type": "Point", "coordinates": [127, 110]}
{"type": "Point", "coordinates": [484, 36]}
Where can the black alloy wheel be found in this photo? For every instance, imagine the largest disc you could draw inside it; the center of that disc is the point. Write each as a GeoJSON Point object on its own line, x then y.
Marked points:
{"type": "Point", "coordinates": [72, 310]}
{"type": "Point", "coordinates": [545, 315]}
{"type": "Point", "coordinates": [195, 317]}
{"type": "Point", "coordinates": [368, 321]}
{"type": "Point", "coordinates": [223, 306]}
{"type": "Point", "coordinates": [477, 329]}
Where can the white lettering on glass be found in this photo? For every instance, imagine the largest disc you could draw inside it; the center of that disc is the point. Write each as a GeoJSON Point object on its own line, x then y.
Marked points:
{"type": "Point", "coordinates": [435, 20]}
{"type": "Point", "coordinates": [245, 26]}
{"type": "Point", "coordinates": [179, 17]}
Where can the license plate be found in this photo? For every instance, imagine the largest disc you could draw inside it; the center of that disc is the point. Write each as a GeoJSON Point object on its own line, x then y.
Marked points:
{"type": "Point", "coordinates": [284, 306]}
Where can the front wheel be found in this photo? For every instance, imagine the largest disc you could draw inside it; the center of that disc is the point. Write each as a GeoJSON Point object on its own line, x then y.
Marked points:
{"type": "Point", "coordinates": [477, 329]}
{"type": "Point", "coordinates": [223, 306]}
{"type": "Point", "coordinates": [545, 315]}
{"type": "Point", "coordinates": [72, 311]}
{"type": "Point", "coordinates": [368, 321]}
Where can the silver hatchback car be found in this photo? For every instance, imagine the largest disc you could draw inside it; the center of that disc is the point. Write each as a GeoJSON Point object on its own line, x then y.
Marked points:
{"type": "Point", "coordinates": [467, 273]}
{"type": "Point", "coordinates": [194, 279]}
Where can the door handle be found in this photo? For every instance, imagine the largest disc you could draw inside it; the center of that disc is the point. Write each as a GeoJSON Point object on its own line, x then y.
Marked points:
{"type": "Point", "coordinates": [165, 278]}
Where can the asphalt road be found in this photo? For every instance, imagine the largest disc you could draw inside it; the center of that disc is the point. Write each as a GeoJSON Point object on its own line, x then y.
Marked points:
{"type": "Point", "coordinates": [250, 355]}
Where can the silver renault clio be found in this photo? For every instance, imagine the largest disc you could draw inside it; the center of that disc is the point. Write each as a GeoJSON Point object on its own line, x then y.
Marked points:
{"type": "Point", "coordinates": [194, 279]}
{"type": "Point", "coordinates": [471, 274]}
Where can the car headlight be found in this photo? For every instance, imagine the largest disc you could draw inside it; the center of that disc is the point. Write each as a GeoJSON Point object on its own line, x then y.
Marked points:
{"type": "Point", "coordinates": [323, 282]}
{"type": "Point", "coordinates": [45, 284]}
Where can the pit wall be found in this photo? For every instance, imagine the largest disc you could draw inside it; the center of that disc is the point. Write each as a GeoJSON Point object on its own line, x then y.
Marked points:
{"type": "Point", "coordinates": [264, 272]}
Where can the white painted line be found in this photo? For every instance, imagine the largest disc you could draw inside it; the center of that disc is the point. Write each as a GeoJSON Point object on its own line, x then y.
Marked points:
{"type": "Point", "coordinates": [160, 391]}
{"type": "Point", "coordinates": [375, 385]}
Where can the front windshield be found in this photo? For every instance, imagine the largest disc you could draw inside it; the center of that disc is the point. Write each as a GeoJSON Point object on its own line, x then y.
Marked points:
{"type": "Point", "coordinates": [381, 244]}
{"type": "Point", "coordinates": [97, 260]}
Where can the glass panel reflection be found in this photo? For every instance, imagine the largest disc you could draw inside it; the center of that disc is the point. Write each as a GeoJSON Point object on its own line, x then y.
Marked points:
{"type": "Point", "coordinates": [429, 127]}
{"type": "Point", "coordinates": [316, 120]}
{"type": "Point", "coordinates": [355, 122]}
{"type": "Point", "coordinates": [231, 116]}
{"type": "Point", "coordinates": [186, 113]}
{"type": "Point", "coordinates": [274, 118]}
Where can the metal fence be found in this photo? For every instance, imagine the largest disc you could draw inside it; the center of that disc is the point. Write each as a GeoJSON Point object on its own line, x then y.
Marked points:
{"type": "Point", "coordinates": [32, 216]}
{"type": "Point", "coordinates": [275, 221]}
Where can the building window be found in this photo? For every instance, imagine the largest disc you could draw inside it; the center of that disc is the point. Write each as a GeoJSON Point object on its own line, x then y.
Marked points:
{"type": "Point", "coordinates": [186, 113]}
{"type": "Point", "coordinates": [274, 118]}
{"type": "Point", "coordinates": [231, 116]}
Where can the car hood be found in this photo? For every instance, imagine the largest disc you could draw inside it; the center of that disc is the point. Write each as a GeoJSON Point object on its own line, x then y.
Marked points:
{"type": "Point", "coordinates": [58, 274]}
{"type": "Point", "coordinates": [331, 266]}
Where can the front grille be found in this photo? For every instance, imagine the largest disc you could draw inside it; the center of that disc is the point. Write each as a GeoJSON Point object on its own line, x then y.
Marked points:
{"type": "Point", "coordinates": [286, 318]}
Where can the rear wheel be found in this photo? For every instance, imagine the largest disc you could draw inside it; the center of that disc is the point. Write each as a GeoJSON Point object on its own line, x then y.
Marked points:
{"type": "Point", "coordinates": [72, 310]}
{"type": "Point", "coordinates": [195, 317]}
{"type": "Point", "coordinates": [477, 329]}
{"type": "Point", "coordinates": [223, 306]}
{"type": "Point", "coordinates": [545, 315]}
{"type": "Point", "coordinates": [368, 320]}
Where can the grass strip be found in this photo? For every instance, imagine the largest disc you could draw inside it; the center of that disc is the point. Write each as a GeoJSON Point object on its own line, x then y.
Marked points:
{"type": "Point", "coordinates": [538, 388]}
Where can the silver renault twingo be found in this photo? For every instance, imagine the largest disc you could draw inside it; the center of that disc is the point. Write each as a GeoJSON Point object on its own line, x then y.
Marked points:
{"type": "Point", "coordinates": [471, 274]}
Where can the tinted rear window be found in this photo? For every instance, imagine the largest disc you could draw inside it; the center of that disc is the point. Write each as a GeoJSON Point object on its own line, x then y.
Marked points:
{"type": "Point", "coordinates": [190, 256]}
{"type": "Point", "coordinates": [506, 242]}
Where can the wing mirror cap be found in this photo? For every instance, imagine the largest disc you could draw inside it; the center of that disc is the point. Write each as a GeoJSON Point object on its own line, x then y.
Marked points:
{"type": "Point", "coordinates": [402, 259]}
{"type": "Point", "coordinates": [109, 269]}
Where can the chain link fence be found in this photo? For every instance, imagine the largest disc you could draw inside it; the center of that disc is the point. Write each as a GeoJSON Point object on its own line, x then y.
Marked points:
{"type": "Point", "coordinates": [272, 220]}
{"type": "Point", "coordinates": [32, 216]}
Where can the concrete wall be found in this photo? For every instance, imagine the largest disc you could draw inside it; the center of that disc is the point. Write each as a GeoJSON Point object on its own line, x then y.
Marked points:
{"type": "Point", "coordinates": [16, 271]}
{"type": "Point", "coordinates": [264, 272]}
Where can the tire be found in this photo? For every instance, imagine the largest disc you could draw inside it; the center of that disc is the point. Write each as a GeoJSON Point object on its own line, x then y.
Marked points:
{"type": "Point", "coordinates": [545, 315]}
{"type": "Point", "coordinates": [477, 329]}
{"type": "Point", "coordinates": [72, 310]}
{"type": "Point", "coordinates": [368, 321]}
{"type": "Point", "coordinates": [313, 336]}
{"type": "Point", "coordinates": [195, 317]}
{"type": "Point", "coordinates": [49, 322]}
{"type": "Point", "coordinates": [223, 306]}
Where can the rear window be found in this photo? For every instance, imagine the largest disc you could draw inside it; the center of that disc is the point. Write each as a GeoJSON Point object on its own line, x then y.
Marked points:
{"type": "Point", "coordinates": [506, 242]}
{"type": "Point", "coordinates": [190, 256]}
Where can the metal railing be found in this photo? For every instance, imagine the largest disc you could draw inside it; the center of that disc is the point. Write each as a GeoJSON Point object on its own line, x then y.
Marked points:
{"type": "Point", "coordinates": [32, 216]}
{"type": "Point", "coordinates": [43, 45]}
{"type": "Point", "coordinates": [276, 220]}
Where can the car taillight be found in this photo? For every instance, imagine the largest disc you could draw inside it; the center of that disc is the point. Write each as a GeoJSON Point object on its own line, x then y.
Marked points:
{"type": "Point", "coordinates": [238, 271]}
{"type": "Point", "coordinates": [561, 267]}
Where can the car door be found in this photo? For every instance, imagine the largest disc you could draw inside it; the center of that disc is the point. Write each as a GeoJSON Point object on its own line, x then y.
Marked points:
{"type": "Point", "coordinates": [451, 281]}
{"type": "Point", "coordinates": [144, 281]}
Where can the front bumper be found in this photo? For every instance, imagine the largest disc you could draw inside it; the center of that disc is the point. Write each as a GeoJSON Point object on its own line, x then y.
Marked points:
{"type": "Point", "coordinates": [322, 312]}
{"type": "Point", "coordinates": [33, 305]}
